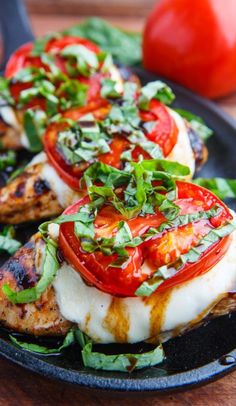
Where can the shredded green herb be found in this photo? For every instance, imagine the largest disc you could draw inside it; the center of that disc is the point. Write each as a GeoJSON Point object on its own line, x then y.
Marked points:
{"type": "Point", "coordinates": [7, 241]}
{"type": "Point", "coordinates": [7, 159]}
{"type": "Point", "coordinates": [39, 349]}
{"type": "Point", "coordinates": [197, 123]}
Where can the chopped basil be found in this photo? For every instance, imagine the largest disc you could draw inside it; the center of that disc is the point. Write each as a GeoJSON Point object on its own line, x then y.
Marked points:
{"type": "Point", "coordinates": [155, 90]}
{"type": "Point", "coordinates": [84, 141]}
{"type": "Point", "coordinates": [118, 362]}
{"type": "Point", "coordinates": [173, 168]}
{"type": "Point", "coordinates": [197, 123]}
{"type": "Point", "coordinates": [29, 74]}
{"type": "Point", "coordinates": [165, 272]}
{"type": "Point", "coordinates": [50, 267]}
{"type": "Point", "coordinates": [7, 159]}
{"type": "Point", "coordinates": [121, 362]}
{"type": "Point", "coordinates": [5, 94]}
{"type": "Point", "coordinates": [7, 241]}
{"type": "Point", "coordinates": [32, 129]}
{"type": "Point", "coordinates": [223, 188]}
{"type": "Point", "coordinates": [98, 360]}
{"type": "Point", "coordinates": [124, 46]}
{"type": "Point", "coordinates": [39, 349]}
{"type": "Point", "coordinates": [109, 89]}
{"type": "Point", "coordinates": [86, 61]}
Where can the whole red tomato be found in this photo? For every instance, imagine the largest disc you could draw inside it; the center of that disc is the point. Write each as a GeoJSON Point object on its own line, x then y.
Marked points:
{"type": "Point", "coordinates": [194, 43]}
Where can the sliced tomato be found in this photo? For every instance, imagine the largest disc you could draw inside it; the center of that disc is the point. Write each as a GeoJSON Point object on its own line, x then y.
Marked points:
{"type": "Point", "coordinates": [22, 58]}
{"type": "Point", "coordinates": [96, 267]}
{"type": "Point", "coordinates": [165, 131]}
{"type": "Point", "coordinates": [71, 174]}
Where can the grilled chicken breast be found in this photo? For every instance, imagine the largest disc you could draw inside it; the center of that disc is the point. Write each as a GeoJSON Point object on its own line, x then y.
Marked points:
{"type": "Point", "coordinates": [39, 192]}
{"type": "Point", "coordinates": [111, 319]}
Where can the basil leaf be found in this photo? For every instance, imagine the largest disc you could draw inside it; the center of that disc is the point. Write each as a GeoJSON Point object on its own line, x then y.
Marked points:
{"type": "Point", "coordinates": [26, 75]}
{"type": "Point", "coordinates": [173, 168]}
{"type": "Point", "coordinates": [108, 89]}
{"type": "Point", "coordinates": [7, 159]}
{"type": "Point", "coordinates": [5, 93]}
{"type": "Point", "coordinates": [223, 188]}
{"type": "Point", "coordinates": [121, 362]}
{"type": "Point", "coordinates": [86, 60]}
{"type": "Point", "coordinates": [31, 130]}
{"type": "Point", "coordinates": [50, 268]}
{"type": "Point", "coordinates": [155, 90]}
{"type": "Point", "coordinates": [124, 46]}
{"type": "Point", "coordinates": [7, 241]}
{"type": "Point", "coordinates": [197, 123]}
{"type": "Point", "coordinates": [39, 349]}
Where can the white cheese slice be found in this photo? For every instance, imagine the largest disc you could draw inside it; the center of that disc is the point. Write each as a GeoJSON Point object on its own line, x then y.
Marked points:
{"type": "Point", "coordinates": [106, 318]}
{"type": "Point", "coordinates": [182, 151]}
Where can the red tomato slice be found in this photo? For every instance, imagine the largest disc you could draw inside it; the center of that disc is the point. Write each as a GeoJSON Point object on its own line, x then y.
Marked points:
{"type": "Point", "coordinates": [22, 58]}
{"type": "Point", "coordinates": [164, 134]}
{"type": "Point", "coordinates": [71, 174]}
{"type": "Point", "coordinates": [96, 270]}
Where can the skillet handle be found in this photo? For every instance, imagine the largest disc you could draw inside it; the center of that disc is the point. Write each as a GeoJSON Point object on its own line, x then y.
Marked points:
{"type": "Point", "coordinates": [15, 27]}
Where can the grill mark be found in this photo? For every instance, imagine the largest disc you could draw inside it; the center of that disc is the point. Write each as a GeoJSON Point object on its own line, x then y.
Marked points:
{"type": "Point", "coordinates": [22, 267]}
{"type": "Point", "coordinates": [41, 186]}
{"type": "Point", "coordinates": [20, 273]}
{"type": "Point", "coordinates": [19, 192]}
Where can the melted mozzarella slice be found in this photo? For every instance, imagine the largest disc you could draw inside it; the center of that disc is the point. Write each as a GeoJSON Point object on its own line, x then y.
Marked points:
{"type": "Point", "coordinates": [107, 319]}
{"type": "Point", "coordinates": [182, 151]}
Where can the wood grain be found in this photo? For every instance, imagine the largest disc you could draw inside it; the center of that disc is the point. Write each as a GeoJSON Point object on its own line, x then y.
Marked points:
{"type": "Point", "coordinates": [97, 7]}
{"type": "Point", "coordinates": [21, 387]}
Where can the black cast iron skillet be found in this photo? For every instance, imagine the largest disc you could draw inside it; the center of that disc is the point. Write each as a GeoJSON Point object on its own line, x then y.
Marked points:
{"type": "Point", "coordinates": [202, 355]}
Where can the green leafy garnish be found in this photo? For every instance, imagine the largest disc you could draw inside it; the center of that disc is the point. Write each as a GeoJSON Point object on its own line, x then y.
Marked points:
{"type": "Point", "coordinates": [197, 123]}
{"type": "Point", "coordinates": [7, 240]}
{"type": "Point", "coordinates": [33, 123]}
{"type": "Point", "coordinates": [108, 89]}
{"type": "Point", "coordinates": [50, 268]}
{"type": "Point", "coordinates": [118, 362]}
{"type": "Point", "coordinates": [7, 159]}
{"type": "Point", "coordinates": [86, 61]}
{"type": "Point", "coordinates": [121, 362]}
{"type": "Point", "coordinates": [98, 360]}
{"type": "Point", "coordinates": [155, 90]}
{"type": "Point", "coordinates": [223, 188]}
{"type": "Point", "coordinates": [5, 93]}
{"type": "Point", "coordinates": [39, 349]}
{"type": "Point", "coordinates": [124, 46]}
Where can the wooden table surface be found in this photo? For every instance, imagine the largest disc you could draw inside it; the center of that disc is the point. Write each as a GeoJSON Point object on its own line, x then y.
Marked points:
{"type": "Point", "coordinates": [22, 388]}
